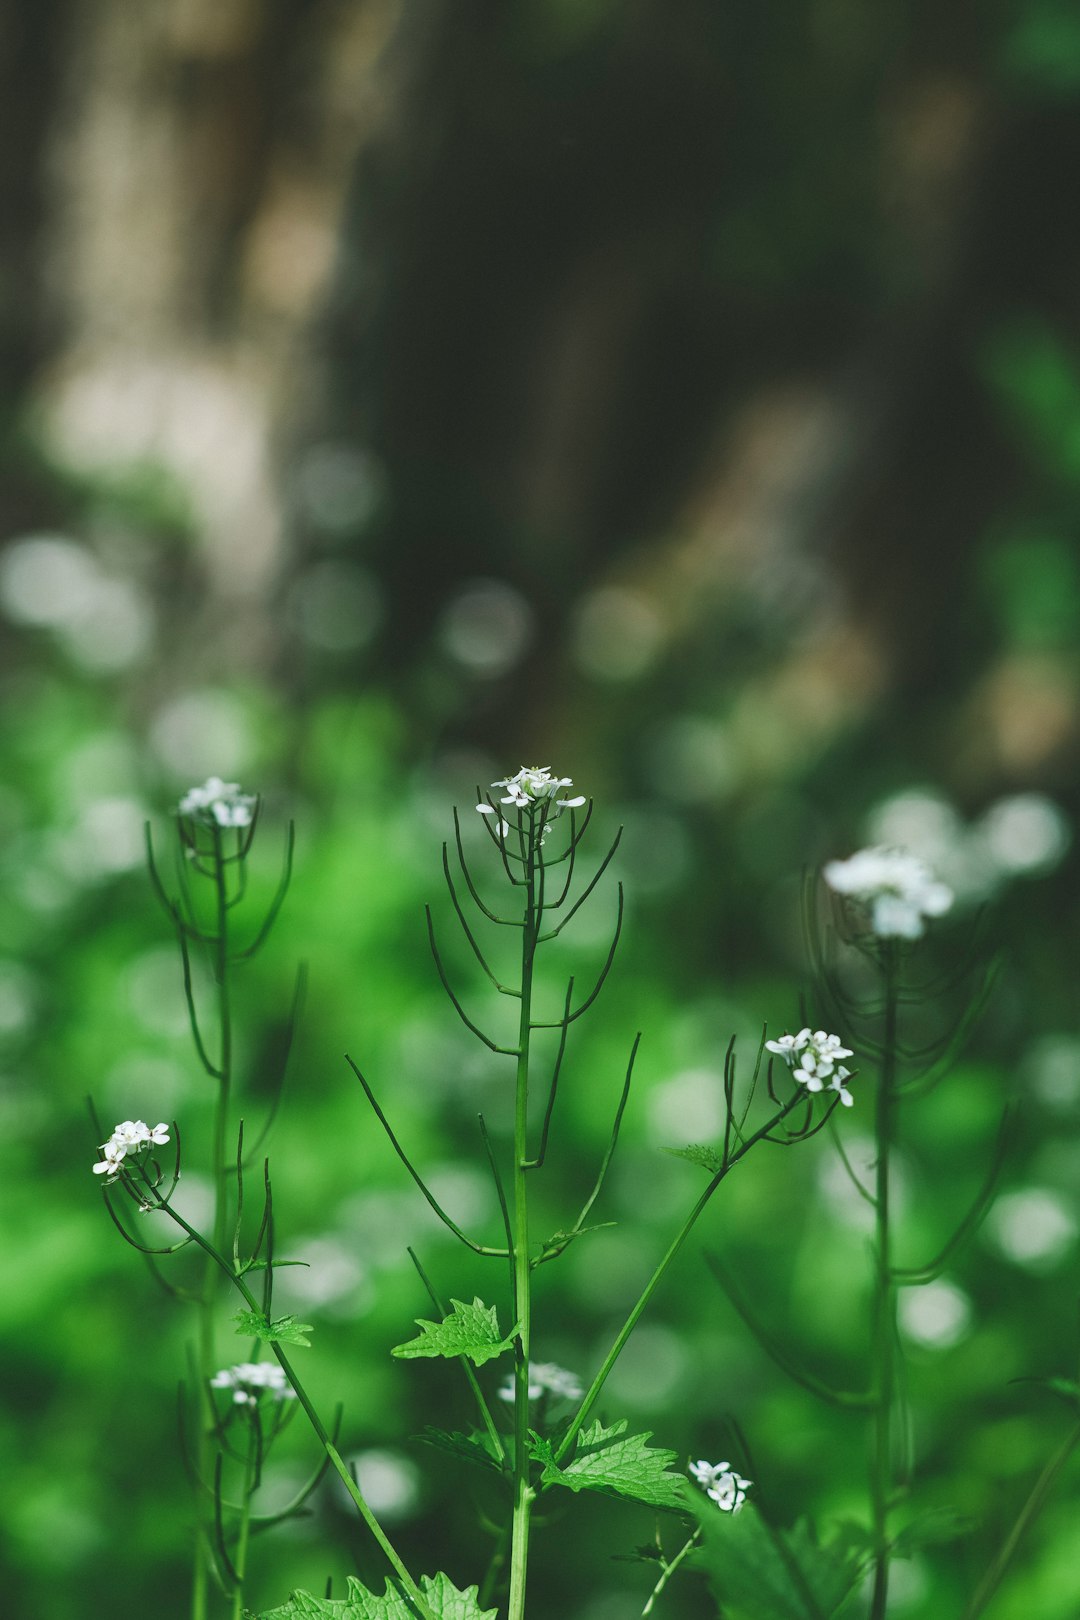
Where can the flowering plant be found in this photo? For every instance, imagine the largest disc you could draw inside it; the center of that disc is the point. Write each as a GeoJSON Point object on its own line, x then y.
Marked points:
{"type": "Point", "coordinates": [897, 888]}
{"type": "Point", "coordinates": [540, 1431]}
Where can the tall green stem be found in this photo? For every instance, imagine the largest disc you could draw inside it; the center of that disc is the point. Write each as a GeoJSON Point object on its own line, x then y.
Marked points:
{"type": "Point", "coordinates": [1027, 1516]}
{"type": "Point", "coordinates": [593, 1392]}
{"type": "Point", "coordinates": [523, 1491]}
{"type": "Point", "coordinates": [669, 1570]}
{"type": "Point", "coordinates": [884, 1304]}
{"type": "Point", "coordinates": [221, 1110]}
{"type": "Point", "coordinates": [337, 1461]}
{"type": "Point", "coordinates": [243, 1532]}
{"type": "Point", "coordinates": [207, 1294]}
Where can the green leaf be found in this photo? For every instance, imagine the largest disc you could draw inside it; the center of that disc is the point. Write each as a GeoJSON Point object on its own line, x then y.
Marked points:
{"type": "Point", "coordinates": [699, 1153]}
{"type": "Point", "coordinates": [441, 1595]}
{"type": "Point", "coordinates": [650, 1553]}
{"type": "Point", "coordinates": [619, 1464]}
{"type": "Point", "coordinates": [760, 1573]}
{"type": "Point", "coordinates": [934, 1528]}
{"type": "Point", "coordinates": [476, 1447]}
{"type": "Point", "coordinates": [553, 1246]}
{"type": "Point", "coordinates": [286, 1330]}
{"type": "Point", "coordinates": [1064, 1388]}
{"type": "Point", "coordinates": [469, 1330]}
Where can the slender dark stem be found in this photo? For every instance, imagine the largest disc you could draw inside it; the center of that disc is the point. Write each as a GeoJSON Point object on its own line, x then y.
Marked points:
{"type": "Point", "coordinates": [884, 1305]}
{"type": "Point", "coordinates": [215, 1256]}
{"type": "Point", "coordinates": [669, 1569]}
{"type": "Point", "coordinates": [592, 1394]}
{"type": "Point", "coordinates": [524, 1493]}
{"type": "Point", "coordinates": [541, 1152]}
{"type": "Point", "coordinates": [466, 1366]}
{"type": "Point", "coordinates": [1027, 1515]}
{"type": "Point", "coordinates": [477, 1248]}
{"type": "Point", "coordinates": [506, 1051]}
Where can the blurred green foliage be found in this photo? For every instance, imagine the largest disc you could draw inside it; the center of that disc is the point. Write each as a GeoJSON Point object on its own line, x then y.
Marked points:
{"type": "Point", "coordinates": [753, 745]}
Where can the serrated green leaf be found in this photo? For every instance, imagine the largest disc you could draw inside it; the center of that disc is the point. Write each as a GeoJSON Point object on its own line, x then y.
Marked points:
{"type": "Point", "coordinates": [286, 1330]}
{"type": "Point", "coordinates": [469, 1330]}
{"type": "Point", "coordinates": [616, 1463]}
{"type": "Point", "coordinates": [699, 1153]}
{"type": "Point", "coordinates": [441, 1595]}
{"type": "Point", "coordinates": [761, 1573]}
{"type": "Point", "coordinates": [476, 1447]}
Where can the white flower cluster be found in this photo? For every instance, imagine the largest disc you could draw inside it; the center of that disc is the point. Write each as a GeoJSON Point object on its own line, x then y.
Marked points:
{"type": "Point", "coordinates": [814, 1059]}
{"type": "Point", "coordinates": [532, 785]}
{"type": "Point", "coordinates": [249, 1380]}
{"type": "Point", "coordinates": [219, 804]}
{"type": "Point", "coordinates": [720, 1481]}
{"type": "Point", "coordinates": [129, 1137]}
{"type": "Point", "coordinates": [897, 886]}
{"type": "Point", "coordinates": [545, 1378]}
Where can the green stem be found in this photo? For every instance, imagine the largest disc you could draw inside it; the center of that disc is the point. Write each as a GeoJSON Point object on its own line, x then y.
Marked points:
{"type": "Point", "coordinates": [494, 1569]}
{"type": "Point", "coordinates": [412, 1590]}
{"type": "Point", "coordinates": [669, 1570]}
{"type": "Point", "coordinates": [524, 1494]}
{"type": "Point", "coordinates": [240, 1555]}
{"type": "Point", "coordinates": [221, 1111]}
{"type": "Point", "coordinates": [884, 1304]}
{"type": "Point", "coordinates": [593, 1392]}
{"type": "Point", "coordinates": [1027, 1515]}
{"type": "Point", "coordinates": [206, 1349]}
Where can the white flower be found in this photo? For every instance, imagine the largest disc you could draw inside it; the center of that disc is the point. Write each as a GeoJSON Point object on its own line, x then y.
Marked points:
{"type": "Point", "coordinates": [130, 1136]}
{"type": "Point", "coordinates": [533, 784]}
{"type": "Point", "coordinates": [251, 1379]}
{"type": "Point", "coordinates": [720, 1482]}
{"type": "Point", "coordinates": [113, 1162]}
{"type": "Point", "coordinates": [787, 1044]}
{"type": "Point", "coordinates": [837, 1084]}
{"type": "Point", "coordinates": [219, 804]}
{"type": "Point", "coordinates": [813, 1056]}
{"type": "Point", "coordinates": [897, 886]}
{"type": "Point", "coordinates": [545, 1378]}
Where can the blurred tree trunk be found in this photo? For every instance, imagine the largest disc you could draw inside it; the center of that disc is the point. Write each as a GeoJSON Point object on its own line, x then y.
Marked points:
{"type": "Point", "coordinates": [195, 160]}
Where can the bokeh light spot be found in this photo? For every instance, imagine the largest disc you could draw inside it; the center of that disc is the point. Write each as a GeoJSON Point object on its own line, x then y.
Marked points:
{"type": "Point", "coordinates": [335, 606]}
{"type": "Point", "coordinates": [200, 734]}
{"type": "Point", "coordinates": [1033, 1227]}
{"type": "Point", "coordinates": [617, 635]}
{"type": "Point", "coordinates": [486, 627]}
{"type": "Point", "coordinates": [937, 1315]}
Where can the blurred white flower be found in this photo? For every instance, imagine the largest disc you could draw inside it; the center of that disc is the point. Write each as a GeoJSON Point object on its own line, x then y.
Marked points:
{"type": "Point", "coordinates": [898, 887]}
{"type": "Point", "coordinates": [545, 1378]}
{"type": "Point", "coordinates": [720, 1482]}
{"type": "Point", "coordinates": [1023, 835]}
{"type": "Point", "coordinates": [219, 804]}
{"type": "Point", "coordinates": [249, 1380]}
